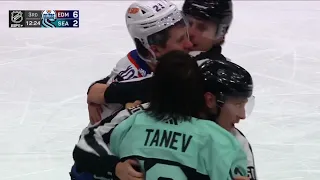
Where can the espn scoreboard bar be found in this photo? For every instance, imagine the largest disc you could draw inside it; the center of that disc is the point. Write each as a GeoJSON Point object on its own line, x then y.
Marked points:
{"type": "Point", "coordinates": [43, 18]}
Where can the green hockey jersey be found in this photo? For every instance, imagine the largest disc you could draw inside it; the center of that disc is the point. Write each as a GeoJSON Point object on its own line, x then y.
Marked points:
{"type": "Point", "coordinates": [173, 150]}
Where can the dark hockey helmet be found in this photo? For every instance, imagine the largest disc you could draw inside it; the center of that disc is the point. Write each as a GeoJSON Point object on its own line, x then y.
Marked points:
{"type": "Point", "coordinates": [226, 79]}
{"type": "Point", "coordinates": [219, 11]}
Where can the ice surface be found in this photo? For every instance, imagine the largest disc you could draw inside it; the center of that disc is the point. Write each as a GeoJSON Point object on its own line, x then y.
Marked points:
{"type": "Point", "coordinates": [44, 75]}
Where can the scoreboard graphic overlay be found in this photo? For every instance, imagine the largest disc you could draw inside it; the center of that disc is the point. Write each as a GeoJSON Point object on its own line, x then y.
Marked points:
{"type": "Point", "coordinates": [44, 18]}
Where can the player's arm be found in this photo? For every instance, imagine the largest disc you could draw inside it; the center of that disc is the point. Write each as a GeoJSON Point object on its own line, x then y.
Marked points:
{"type": "Point", "coordinates": [101, 81]}
{"type": "Point", "coordinates": [129, 168]}
{"type": "Point", "coordinates": [248, 150]}
{"type": "Point", "coordinates": [239, 164]}
{"type": "Point", "coordinates": [95, 109]}
{"type": "Point", "coordinates": [223, 157]}
{"type": "Point", "coordinates": [224, 165]}
{"type": "Point", "coordinates": [123, 71]}
{"type": "Point", "coordinates": [129, 91]}
{"type": "Point", "coordinates": [119, 133]}
{"type": "Point", "coordinates": [95, 93]}
{"type": "Point", "coordinates": [122, 91]}
{"type": "Point", "coordinates": [91, 153]}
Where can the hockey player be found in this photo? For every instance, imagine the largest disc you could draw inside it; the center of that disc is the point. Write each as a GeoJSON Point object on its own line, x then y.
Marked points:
{"type": "Point", "coordinates": [204, 16]}
{"type": "Point", "coordinates": [226, 96]}
{"type": "Point", "coordinates": [156, 28]}
{"type": "Point", "coordinates": [209, 21]}
{"type": "Point", "coordinates": [167, 139]}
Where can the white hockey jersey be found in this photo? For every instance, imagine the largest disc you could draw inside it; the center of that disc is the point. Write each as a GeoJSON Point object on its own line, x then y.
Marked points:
{"type": "Point", "coordinates": [100, 134]}
{"type": "Point", "coordinates": [127, 68]}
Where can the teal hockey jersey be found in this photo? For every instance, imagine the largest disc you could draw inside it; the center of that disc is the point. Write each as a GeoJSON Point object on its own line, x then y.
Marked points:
{"type": "Point", "coordinates": [196, 149]}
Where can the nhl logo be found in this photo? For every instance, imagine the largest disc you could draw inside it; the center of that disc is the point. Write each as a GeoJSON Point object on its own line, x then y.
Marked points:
{"type": "Point", "coordinates": [16, 16]}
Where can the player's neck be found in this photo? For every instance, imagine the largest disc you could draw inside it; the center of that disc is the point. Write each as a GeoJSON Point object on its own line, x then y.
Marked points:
{"type": "Point", "coordinates": [207, 114]}
{"type": "Point", "coordinates": [152, 66]}
{"type": "Point", "coordinates": [203, 115]}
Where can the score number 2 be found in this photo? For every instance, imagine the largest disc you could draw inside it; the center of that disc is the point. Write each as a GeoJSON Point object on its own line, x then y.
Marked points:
{"type": "Point", "coordinates": [75, 23]}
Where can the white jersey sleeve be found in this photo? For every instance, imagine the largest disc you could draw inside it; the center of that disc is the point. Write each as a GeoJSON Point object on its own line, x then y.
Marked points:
{"type": "Point", "coordinates": [124, 70]}
{"type": "Point", "coordinates": [128, 68]}
{"type": "Point", "coordinates": [248, 150]}
{"type": "Point", "coordinates": [104, 129]}
{"type": "Point", "coordinates": [92, 152]}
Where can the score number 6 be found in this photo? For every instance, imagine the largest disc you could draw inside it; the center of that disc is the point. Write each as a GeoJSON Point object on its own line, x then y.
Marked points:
{"type": "Point", "coordinates": [75, 14]}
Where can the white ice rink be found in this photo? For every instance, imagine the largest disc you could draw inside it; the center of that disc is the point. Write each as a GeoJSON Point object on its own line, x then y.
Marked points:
{"type": "Point", "coordinates": [45, 73]}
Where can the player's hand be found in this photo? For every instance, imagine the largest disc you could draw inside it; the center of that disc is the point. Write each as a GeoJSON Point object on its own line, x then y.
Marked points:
{"type": "Point", "coordinates": [134, 104]}
{"type": "Point", "coordinates": [96, 93]}
{"type": "Point", "coordinates": [95, 111]}
{"type": "Point", "coordinates": [125, 171]}
{"type": "Point", "coordinates": [241, 178]}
